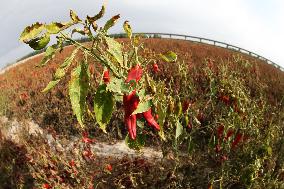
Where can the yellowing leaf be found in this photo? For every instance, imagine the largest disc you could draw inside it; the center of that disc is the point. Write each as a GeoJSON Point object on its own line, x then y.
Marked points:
{"type": "Point", "coordinates": [127, 29]}
{"type": "Point", "coordinates": [74, 16]}
{"type": "Point", "coordinates": [55, 27]}
{"type": "Point", "coordinates": [111, 22]}
{"type": "Point", "coordinates": [31, 32]}
{"type": "Point", "coordinates": [169, 56]}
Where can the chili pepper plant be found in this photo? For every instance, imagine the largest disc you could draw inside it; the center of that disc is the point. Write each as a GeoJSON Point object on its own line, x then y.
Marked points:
{"type": "Point", "coordinates": [125, 78]}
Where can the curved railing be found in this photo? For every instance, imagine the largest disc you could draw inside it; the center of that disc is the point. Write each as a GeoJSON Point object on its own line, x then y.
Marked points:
{"type": "Point", "coordinates": [210, 42]}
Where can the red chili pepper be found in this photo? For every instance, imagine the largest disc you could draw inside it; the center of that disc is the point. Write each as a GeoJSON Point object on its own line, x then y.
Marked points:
{"type": "Point", "coordinates": [225, 99]}
{"type": "Point", "coordinates": [130, 103]}
{"type": "Point", "coordinates": [156, 68]}
{"type": "Point", "coordinates": [150, 119]}
{"type": "Point", "coordinates": [86, 138]}
{"type": "Point", "coordinates": [106, 77]}
{"type": "Point", "coordinates": [135, 73]}
{"type": "Point", "coordinates": [108, 167]}
{"type": "Point", "coordinates": [217, 148]}
{"type": "Point", "coordinates": [185, 105]}
{"type": "Point", "coordinates": [237, 140]}
{"type": "Point", "coordinates": [229, 134]}
{"type": "Point", "coordinates": [87, 153]}
{"type": "Point", "coordinates": [220, 131]}
{"type": "Point", "coordinates": [46, 186]}
{"type": "Point", "coordinates": [72, 163]}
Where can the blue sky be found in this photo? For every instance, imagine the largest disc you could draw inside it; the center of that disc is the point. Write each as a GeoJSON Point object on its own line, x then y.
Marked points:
{"type": "Point", "coordinates": [255, 25]}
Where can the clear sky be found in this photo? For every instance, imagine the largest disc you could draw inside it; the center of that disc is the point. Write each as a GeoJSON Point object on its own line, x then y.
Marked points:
{"type": "Point", "coordinates": [255, 25]}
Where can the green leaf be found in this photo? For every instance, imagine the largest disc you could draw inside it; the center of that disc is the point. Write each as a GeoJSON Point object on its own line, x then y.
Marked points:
{"type": "Point", "coordinates": [74, 16]}
{"type": "Point", "coordinates": [169, 56]}
{"type": "Point", "coordinates": [118, 86]}
{"type": "Point", "coordinates": [60, 72]}
{"type": "Point", "coordinates": [50, 85]}
{"type": "Point", "coordinates": [67, 62]}
{"type": "Point", "coordinates": [49, 54]}
{"type": "Point", "coordinates": [31, 32]}
{"type": "Point", "coordinates": [78, 89]}
{"type": "Point", "coordinates": [143, 106]}
{"type": "Point", "coordinates": [136, 144]}
{"type": "Point", "coordinates": [161, 119]}
{"type": "Point", "coordinates": [55, 27]}
{"type": "Point", "coordinates": [103, 106]}
{"type": "Point", "coordinates": [39, 42]}
{"type": "Point", "coordinates": [127, 29]}
{"type": "Point", "coordinates": [111, 22]}
{"type": "Point", "coordinates": [179, 129]}
{"type": "Point", "coordinates": [114, 48]}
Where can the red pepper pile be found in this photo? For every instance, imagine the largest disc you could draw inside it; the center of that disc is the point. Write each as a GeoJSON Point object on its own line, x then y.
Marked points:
{"type": "Point", "coordinates": [131, 101]}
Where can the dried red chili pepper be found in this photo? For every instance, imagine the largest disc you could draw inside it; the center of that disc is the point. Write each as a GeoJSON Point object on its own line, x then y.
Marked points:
{"type": "Point", "coordinates": [72, 163]}
{"type": "Point", "coordinates": [156, 68]}
{"type": "Point", "coordinates": [237, 140]}
{"type": "Point", "coordinates": [217, 148]}
{"type": "Point", "coordinates": [185, 105]}
{"type": "Point", "coordinates": [225, 99]}
{"type": "Point", "coordinates": [106, 77]}
{"type": "Point", "coordinates": [220, 131]}
{"type": "Point", "coordinates": [229, 134]}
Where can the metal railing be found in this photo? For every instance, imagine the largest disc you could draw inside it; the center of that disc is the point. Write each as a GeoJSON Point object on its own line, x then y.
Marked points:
{"type": "Point", "coordinates": [210, 42]}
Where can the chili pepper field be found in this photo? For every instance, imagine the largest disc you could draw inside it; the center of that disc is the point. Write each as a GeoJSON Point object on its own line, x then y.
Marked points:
{"type": "Point", "coordinates": [228, 133]}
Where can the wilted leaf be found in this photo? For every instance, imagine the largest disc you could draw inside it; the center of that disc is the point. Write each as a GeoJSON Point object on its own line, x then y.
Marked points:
{"type": "Point", "coordinates": [114, 48]}
{"type": "Point", "coordinates": [169, 56]}
{"type": "Point", "coordinates": [78, 89]}
{"type": "Point", "coordinates": [76, 30]}
{"type": "Point", "coordinates": [103, 106]}
{"type": "Point", "coordinates": [31, 32]}
{"type": "Point", "coordinates": [111, 22]}
{"type": "Point", "coordinates": [74, 16]}
{"type": "Point", "coordinates": [39, 42]}
{"type": "Point", "coordinates": [127, 29]}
